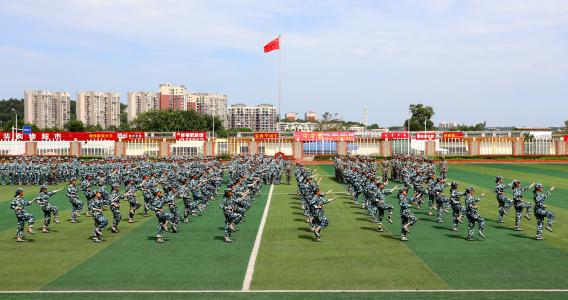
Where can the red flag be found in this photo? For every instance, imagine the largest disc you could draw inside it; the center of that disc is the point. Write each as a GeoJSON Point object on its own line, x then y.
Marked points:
{"type": "Point", "coordinates": [272, 45]}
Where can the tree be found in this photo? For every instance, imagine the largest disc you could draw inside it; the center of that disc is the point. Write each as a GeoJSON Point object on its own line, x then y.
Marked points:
{"type": "Point", "coordinates": [75, 126]}
{"type": "Point", "coordinates": [566, 125]}
{"type": "Point", "coordinates": [72, 110]}
{"type": "Point", "coordinates": [476, 127]}
{"type": "Point", "coordinates": [181, 120]}
{"type": "Point", "coordinates": [421, 117]}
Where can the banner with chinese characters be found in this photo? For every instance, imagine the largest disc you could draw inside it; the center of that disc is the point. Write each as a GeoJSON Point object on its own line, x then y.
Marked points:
{"type": "Point", "coordinates": [425, 135]}
{"type": "Point", "coordinates": [60, 136]}
{"type": "Point", "coordinates": [191, 136]}
{"type": "Point", "coordinates": [394, 135]}
{"type": "Point", "coordinates": [324, 136]}
{"type": "Point", "coordinates": [130, 135]}
{"type": "Point", "coordinates": [452, 135]}
{"type": "Point", "coordinates": [262, 136]}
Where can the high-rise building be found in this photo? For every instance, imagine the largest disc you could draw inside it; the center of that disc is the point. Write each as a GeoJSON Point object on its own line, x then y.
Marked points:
{"type": "Point", "coordinates": [258, 118]}
{"type": "Point", "coordinates": [99, 108]}
{"type": "Point", "coordinates": [311, 117]}
{"type": "Point", "coordinates": [46, 109]}
{"type": "Point", "coordinates": [211, 104]}
{"type": "Point", "coordinates": [139, 102]}
{"type": "Point", "coordinates": [266, 117]}
{"type": "Point", "coordinates": [175, 97]}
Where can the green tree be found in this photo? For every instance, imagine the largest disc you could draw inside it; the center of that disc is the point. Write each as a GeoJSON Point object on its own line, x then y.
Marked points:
{"type": "Point", "coordinates": [421, 117]}
{"type": "Point", "coordinates": [566, 125]}
{"type": "Point", "coordinates": [476, 127]}
{"type": "Point", "coordinates": [75, 125]}
{"type": "Point", "coordinates": [72, 110]}
{"type": "Point", "coordinates": [167, 120]}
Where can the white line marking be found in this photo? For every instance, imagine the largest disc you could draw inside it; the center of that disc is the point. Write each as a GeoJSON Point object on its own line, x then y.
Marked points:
{"type": "Point", "coordinates": [254, 253]}
{"type": "Point", "coordinates": [285, 291]}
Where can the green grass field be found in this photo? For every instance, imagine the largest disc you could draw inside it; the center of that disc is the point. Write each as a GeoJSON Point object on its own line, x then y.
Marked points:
{"type": "Point", "coordinates": [351, 256]}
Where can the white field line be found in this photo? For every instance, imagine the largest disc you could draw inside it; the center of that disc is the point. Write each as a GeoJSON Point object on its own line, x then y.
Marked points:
{"type": "Point", "coordinates": [285, 291]}
{"type": "Point", "coordinates": [254, 253]}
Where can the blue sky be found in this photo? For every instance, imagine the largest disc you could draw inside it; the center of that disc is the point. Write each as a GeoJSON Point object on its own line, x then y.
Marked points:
{"type": "Point", "coordinates": [501, 61]}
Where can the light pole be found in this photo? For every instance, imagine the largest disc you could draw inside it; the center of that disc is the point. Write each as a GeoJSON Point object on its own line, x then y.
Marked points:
{"type": "Point", "coordinates": [408, 128]}
{"type": "Point", "coordinates": [15, 128]}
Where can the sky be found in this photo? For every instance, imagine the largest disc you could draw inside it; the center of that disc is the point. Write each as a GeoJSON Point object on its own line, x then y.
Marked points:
{"type": "Point", "coordinates": [500, 61]}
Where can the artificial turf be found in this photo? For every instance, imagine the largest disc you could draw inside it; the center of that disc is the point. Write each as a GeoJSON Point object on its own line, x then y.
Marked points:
{"type": "Point", "coordinates": [351, 255]}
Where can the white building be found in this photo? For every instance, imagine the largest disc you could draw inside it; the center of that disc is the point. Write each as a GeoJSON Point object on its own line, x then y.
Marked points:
{"type": "Point", "coordinates": [211, 104]}
{"type": "Point", "coordinates": [46, 109]}
{"type": "Point", "coordinates": [99, 108]}
{"type": "Point", "coordinates": [139, 102]}
{"type": "Point", "coordinates": [297, 126]}
{"type": "Point", "coordinates": [258, 118]}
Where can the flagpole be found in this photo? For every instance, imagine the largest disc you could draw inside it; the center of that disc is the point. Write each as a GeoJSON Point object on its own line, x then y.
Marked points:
{"type": "Point", "coordinates": [279, 92]}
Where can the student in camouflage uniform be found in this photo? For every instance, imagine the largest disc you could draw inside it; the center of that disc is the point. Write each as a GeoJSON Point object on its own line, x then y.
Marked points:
{"type": "Point", "coordinates": [502, 200]}
{"type": "Point", "coordinates": [76, 204]}
{"type": "Point", "coordinates": [540, 211]}
{"type": "Point", "coordinates": [440, 199]}
{"type": "Point", "coordinates": [456, 206]}
{"type": "Point", "coordinates": [170, 200]}
{"type": "Point", "coordinates": [163, 217]}
{"type": "Point", "coordinates": [385, 166]}
{"type": "Point", "coordinates": [18, 204]}
{"type": "Point", "coordinates": [383, 206]}
{"type": "Point", "coordinates": [47, 208]}
{"type": "Point", "coordinates": [443, 168]}
{"type": "Point", "coordinates": [320, 220]}
{"type": "Point", "coordinates": [519, 204]}
{"type": "Point", "coordinates": [96, 208]}
{"type": "Point", "coordinates": [407, 219]}
{"type": "Point", "coordinates": [130, 195]}
{"type": "Point", "coordinates": [472, 214]}
{"type": "Point", "coordinates": [114, 202]}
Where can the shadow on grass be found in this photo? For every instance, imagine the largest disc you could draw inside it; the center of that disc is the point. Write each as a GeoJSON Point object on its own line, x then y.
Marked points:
{"type": "Point", "coordinates": [306, 237]}
{"type": "Point", "coordinates": [390, 237]}
{"type": "Point", "coordinates": [219, 237]}
{"type": "Point", "coordinates": [304, 229]}
{"type": "Point", "coordinates": [454, 236]}
{"type": "Point", "coordinates": [522, 236]}
{"type": "Point", "coordinates": [297, 213]}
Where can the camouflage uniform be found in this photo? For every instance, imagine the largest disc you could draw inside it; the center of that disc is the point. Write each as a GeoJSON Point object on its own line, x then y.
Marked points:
{"type": "Point", "coordinates": [540, 211]}
{"type": "Point", "coordinates": [18, 204]}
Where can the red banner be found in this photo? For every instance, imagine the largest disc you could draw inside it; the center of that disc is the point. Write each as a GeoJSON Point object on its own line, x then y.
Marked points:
{"type": "Point", "coordinates": [130, 135]}
{"type": "Point", "coordinates": [60, 136]}
{"type": "Point", "coordinates": [191, 136]}
{"type": "Point", "coordinates": [261, 136]}
{"type": "Point", "coordinates": [452, 135]}
{"type": "Point", "coordinates": [425, 135]}
{"type": "Point", "coordinates": [321, 136]}
{"type": "Point", "coordinates": [565, 138]}
{"type": "Point", "coordinates": [394, 135]}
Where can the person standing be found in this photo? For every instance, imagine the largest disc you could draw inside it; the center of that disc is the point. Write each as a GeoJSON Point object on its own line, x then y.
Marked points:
{"type": "Point", "coordinates": [472, 214]}
{"type": "Point", "coordinates": [18, 204]}
{"type": "Point", "coordinates": [540, 211]}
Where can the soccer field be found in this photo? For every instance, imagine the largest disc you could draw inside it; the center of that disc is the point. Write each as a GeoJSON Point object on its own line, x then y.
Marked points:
{"type": "Point", "coordinates": [352, 255]}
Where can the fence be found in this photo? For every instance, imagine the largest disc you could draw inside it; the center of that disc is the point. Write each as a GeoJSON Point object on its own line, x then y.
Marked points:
{"type": "Point", "coordinates": [97, 148]}
{"type": "Point", "coordinates": [143, 147]}
{"type": "Point", "coordinates": [53, 148]}
{"type": "Point", "coordinates": [187, 148]}
{"type": "Point", "coordinates": [540, 147]}
{"type": "Point", "coordinates": [496, 147]}
{"type": "Point", "coordinates": [370, 147]}
{"type": "Point", "coordinates": [452, 147]}
{"type": "Point", "coordinates": [12, 148]}
{"type": "Point", "coordinates": [297, 149]}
